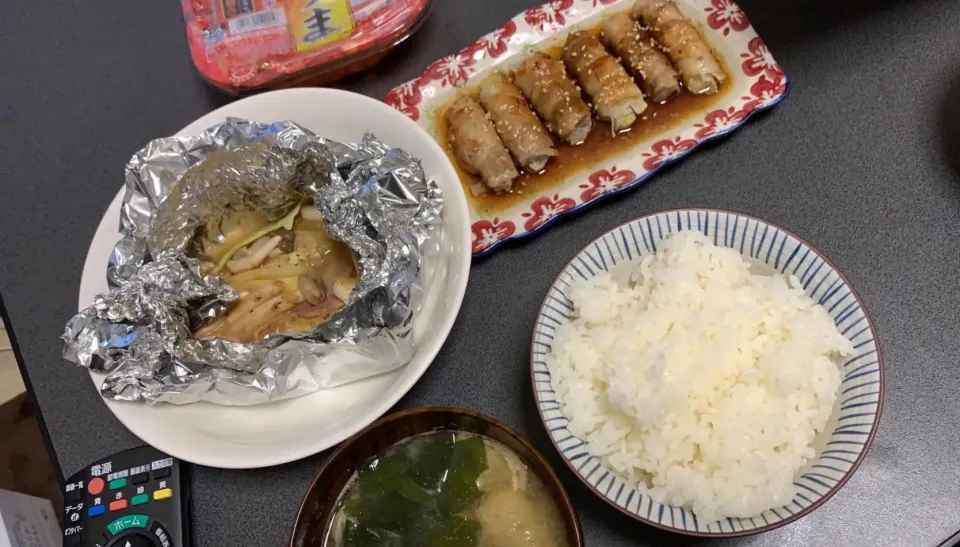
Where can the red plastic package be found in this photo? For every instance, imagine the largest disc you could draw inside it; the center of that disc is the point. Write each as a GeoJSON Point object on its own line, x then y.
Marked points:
{"type": "Point", "coordinates": [247, 45]}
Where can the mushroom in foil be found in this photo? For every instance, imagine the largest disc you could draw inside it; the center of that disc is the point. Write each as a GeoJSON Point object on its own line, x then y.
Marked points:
{"type": "Point", "coordinates": [291, 276]}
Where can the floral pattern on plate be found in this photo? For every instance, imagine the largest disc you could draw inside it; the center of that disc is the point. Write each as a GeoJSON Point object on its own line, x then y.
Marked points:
{"type": "Point", "coordinates": [758, 83]}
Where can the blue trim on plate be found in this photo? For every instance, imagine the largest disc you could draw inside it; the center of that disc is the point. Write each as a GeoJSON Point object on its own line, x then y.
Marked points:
{"type": "Point", "coordinates": [860, 396]}
{"type": "Point", "coordinates": [642, 178]}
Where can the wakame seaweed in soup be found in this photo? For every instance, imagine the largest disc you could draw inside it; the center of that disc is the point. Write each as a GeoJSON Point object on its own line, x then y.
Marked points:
{"type": "Point", "coordinates": [433, 490]}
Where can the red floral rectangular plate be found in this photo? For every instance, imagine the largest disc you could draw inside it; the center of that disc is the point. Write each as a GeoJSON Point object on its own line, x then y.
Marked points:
{"type": "Point", "coordinates": [757, 83]}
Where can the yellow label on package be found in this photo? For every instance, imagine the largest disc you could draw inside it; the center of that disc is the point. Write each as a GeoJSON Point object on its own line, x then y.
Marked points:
{"type": "Point", "coordinates": [318, 22]}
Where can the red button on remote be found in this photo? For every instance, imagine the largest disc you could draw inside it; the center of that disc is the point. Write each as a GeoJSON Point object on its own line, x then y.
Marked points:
{"type": "Point", "coordinates": [95, 486]}
{"type": "Point", "coordinates": [118, 505]}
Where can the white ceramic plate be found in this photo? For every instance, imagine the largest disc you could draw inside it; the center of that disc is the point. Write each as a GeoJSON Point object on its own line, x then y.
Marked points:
{"type": "Point", "coordinates": [840, 447]}
{"type": "Point", "coordinates": [275, 433]}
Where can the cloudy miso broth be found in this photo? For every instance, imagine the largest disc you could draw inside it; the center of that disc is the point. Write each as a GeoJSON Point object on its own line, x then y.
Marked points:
{"type": "Point", "coordinates": [446, 489]}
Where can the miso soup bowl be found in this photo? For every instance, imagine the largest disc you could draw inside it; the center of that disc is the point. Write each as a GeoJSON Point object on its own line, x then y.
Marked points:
{"type": "Point", "coordinates": [319, 505]}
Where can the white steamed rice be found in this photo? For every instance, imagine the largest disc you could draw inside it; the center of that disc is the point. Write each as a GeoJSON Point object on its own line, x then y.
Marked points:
{"type": "Point", "coordinates": [697, 380]}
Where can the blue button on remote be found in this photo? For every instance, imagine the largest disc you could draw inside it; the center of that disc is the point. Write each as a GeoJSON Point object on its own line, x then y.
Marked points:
{"type": "Point", "coordinates": [136, 498]}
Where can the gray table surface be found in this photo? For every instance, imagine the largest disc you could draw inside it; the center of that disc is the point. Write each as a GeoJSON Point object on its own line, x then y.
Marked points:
{"type": "Point", "coordinates": [863, 160]}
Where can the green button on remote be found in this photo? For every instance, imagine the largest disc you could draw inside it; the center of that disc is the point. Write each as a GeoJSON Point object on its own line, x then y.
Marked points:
{"type": "Point", "coordinates": [134, 498]}
{"type": "Point", "coordinates": [139, 499]}
{"type": "Point", "coordinates": [127, 522]}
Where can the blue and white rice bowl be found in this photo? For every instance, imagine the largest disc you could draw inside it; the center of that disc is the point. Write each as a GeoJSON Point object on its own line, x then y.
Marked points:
{"type": "Point", "coordinates": [856, 411]}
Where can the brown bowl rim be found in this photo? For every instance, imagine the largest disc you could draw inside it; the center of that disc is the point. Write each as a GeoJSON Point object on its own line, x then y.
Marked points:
{"type": "Point", "coordinates": [567, 509]}
{"type": "Point", "coordinates": [793, 517]}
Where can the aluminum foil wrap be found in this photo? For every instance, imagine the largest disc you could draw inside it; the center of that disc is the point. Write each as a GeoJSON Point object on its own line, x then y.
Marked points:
{"type": "Point", "coordinates": [374, 198]}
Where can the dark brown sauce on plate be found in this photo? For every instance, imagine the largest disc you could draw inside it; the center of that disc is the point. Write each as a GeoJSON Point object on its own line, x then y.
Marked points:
{"type": "Point", "coordinates": [600, 144]}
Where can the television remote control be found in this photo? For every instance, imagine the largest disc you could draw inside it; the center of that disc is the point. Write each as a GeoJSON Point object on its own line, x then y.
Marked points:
{"type": "Point", "coordinates": [136, 498]}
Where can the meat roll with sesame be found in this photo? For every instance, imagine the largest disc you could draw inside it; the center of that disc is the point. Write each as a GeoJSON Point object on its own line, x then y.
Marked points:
{"type": "Point", "coordinates": [640, 54]}
{"type": "Point", "coordinates": [477, 146]}
{"type": "Point", "coordinates": [518, 127]}
{"type": "Point", "coordinates": [555, 97]}
{"type": "Point", "coordinates": [615, 95]}
{"type": "Point", "coordinates": [689, 52]}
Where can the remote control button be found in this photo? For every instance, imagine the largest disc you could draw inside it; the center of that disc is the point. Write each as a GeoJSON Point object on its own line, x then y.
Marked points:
{"type": "Point", "coordinates": [127, 522]}
{"type": "Point", "coordinates": [162, 536]}
{"type": "Point", "coordinates": [73, 540]}
{"type": "Point", "coordinates": [117, 484]}
{"type": "Point", "coordinates": [140, 478]}
{"type": "Point", "coordinates": [73, 495]}
{"type": "Point", "coordinates": [136, 539]}
{"type": "Point", "coordinates": [161, 473]}
{"type": "Point", "coordinates": [95, 486]}
{"type": "Point", "coordinates": [139, 499]}
{"type": "Point", "coordinates": [162, 494]}
{"type": "Point", "coordinates": [118, 505]}
{"type": "Point", "coordinates": [96, 510]}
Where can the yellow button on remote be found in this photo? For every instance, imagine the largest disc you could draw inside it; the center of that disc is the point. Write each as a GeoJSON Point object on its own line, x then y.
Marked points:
{"type": "Point", "coordinates": [162, 494]}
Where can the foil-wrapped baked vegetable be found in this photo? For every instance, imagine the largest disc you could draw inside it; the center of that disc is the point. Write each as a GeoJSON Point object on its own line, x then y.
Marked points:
{"type": "Point", "coordinates": [201, 218]}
